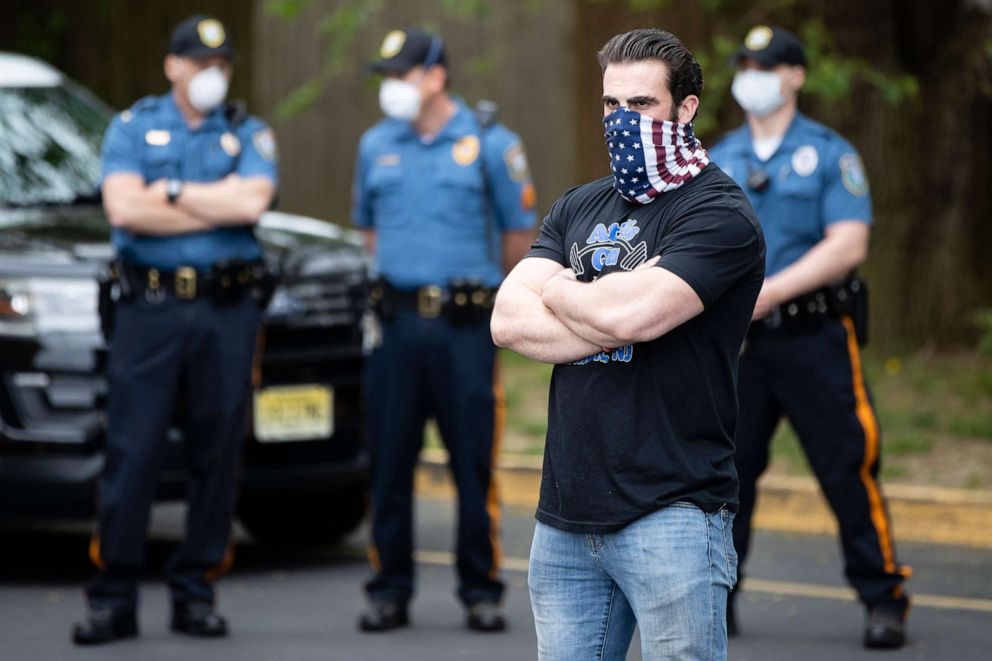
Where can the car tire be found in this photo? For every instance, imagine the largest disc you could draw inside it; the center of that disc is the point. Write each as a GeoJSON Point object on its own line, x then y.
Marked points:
{"type": "Point", "coordinates": [294, 518]}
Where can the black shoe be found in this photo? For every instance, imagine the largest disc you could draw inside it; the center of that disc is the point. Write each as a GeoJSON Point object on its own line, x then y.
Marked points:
{"type": "Point", "coordinates": [485, 616]}
{"type": "Point", "coordinates": [198, 618]}
{"type": "Point", "coordinates": [885, 628]}
{"type": "Point", "coordinates": [731, 615]}
{"type": "Point", "coordinates": [384, 616]}
{"type": "Point", "coordinates": [105, 625]}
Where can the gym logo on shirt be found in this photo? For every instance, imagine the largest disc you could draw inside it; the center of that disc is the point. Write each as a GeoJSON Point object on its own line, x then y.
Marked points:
{"type": "Point", "coordinates": [609, 246]}
{"type": "Point", "coordinates": [606, 247]}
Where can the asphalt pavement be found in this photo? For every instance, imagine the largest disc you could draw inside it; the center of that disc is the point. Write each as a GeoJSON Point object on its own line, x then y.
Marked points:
{"type": "Point", "coordinates": [302, 604]}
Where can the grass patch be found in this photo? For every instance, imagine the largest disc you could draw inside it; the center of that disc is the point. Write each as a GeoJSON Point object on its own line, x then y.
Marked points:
{"type": "Point", "coordinates": [924, 403]}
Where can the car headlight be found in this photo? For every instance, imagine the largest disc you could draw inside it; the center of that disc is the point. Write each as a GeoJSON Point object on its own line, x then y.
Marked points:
{"type": "Point", "coordinates": [33, 306]}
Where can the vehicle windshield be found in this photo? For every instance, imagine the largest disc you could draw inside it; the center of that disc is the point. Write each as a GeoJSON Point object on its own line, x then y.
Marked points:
{"type": "Point", "coordinates": [49, 145]}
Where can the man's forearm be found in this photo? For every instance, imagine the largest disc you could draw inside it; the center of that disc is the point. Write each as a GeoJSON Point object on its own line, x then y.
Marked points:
{"type": "Point", "coordinates": [146, 211]}
{"type": "Point", "coordinates": [523, 323]}
{"type": "Point", "coordinates": [575, 305]}
{"type": "Point", "coordinates": [230, 201]}
{"type": "Point", "coordinates": [828, 261]}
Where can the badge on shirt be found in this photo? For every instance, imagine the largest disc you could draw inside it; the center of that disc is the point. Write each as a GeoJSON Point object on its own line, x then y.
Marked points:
{"type": "Point", "coordinates": [387, 160]}
{"type": "Point", "coordinates": [852, 173]}
{"type": "Point", "coordinates": [158, 138]}
{"type": "Point", "coordinates": [230, 144]}
{"type": "Point", "coordinates": [265, 144]}
{"type": "Point", "coordinates": [466, 150]}
{"type": "Point", "coordinates": [127, 116]}
{"type": "Point", "coordinates": [805, 160]}
{"type": "Point", "coordinates": [516, 162]}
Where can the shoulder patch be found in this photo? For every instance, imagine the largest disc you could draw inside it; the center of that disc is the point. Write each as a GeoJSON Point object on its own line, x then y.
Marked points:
{"type": "Point", "coordinates": [516, 162]}
{"type": "Point", "coordinates": [265, 144]}
{"type": "Point", "coordinates": [852, 173]}
{"type": "Point", "coordinates": [466, 150]}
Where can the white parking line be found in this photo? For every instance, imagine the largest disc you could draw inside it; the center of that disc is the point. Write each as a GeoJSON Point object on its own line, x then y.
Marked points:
{"type": "Point", "coordinates": [786, 588]}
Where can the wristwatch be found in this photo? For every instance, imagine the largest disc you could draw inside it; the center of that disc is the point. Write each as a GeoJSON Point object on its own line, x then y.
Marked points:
{"type": "Point", "coordinates": [173, 188]}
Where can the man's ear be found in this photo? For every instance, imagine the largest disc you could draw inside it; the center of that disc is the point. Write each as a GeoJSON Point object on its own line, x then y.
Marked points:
{"type": "Point", "coordinates": [438, 77]}
{"type": "Point", "coordinates": [171, 66]}
{"type": "Point", "coordinates": [688, 108]}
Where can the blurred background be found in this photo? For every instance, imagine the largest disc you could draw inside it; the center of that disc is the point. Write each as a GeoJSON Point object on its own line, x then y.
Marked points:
{"type": "Point", "coordinates": [908, 82]}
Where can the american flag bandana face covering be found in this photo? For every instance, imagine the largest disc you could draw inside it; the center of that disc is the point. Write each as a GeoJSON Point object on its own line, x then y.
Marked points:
{"type": "Point", "coordinates": [650, 156]}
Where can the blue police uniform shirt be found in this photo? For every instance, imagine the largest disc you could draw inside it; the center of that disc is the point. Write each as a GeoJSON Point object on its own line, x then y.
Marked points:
{"type": "Point", "coordinates": [153, 140]}
{"type": "Point", "coordinates": [427, 199]}
{"type": "Point", "coordinates": [815, 178]}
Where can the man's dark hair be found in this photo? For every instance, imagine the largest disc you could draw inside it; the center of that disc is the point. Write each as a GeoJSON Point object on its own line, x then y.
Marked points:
{"type": "Point", "coordinates": [685, 76]}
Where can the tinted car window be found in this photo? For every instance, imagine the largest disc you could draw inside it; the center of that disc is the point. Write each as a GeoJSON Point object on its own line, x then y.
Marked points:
{"type": "Point", "coordinates": [49, 145]}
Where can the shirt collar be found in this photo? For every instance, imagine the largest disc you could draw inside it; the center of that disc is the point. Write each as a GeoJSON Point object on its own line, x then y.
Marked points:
{"type": "Point", "coordinates": [215, 119]}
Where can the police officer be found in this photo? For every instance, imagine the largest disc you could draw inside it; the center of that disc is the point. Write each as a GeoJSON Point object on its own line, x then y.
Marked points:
{"type": "Point", "coordinates": [801, 359]}
{"type": "Point", "coordinates": [184, 181]}
{"type": "Point", "coordinates": [444, 198]}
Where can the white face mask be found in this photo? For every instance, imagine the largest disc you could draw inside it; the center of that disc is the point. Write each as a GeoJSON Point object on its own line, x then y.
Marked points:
{"type": "Point", "coordinates": [207, 89]}
{"type": "Point", "coordinates": [758, 92]}
{"type": "Point", "coordinates": [399, 99]}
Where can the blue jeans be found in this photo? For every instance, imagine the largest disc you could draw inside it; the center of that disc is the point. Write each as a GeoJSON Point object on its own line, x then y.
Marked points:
{"type": "Point", "coordinates": [668, 572]}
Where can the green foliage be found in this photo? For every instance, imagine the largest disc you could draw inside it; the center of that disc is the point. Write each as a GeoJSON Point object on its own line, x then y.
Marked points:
{"type": "Point", "coordinates": [983, 321]}
{"type": "Point", "coordinates": [286, 9]}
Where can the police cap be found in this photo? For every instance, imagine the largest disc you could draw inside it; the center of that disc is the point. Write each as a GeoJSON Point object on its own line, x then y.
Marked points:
{"type": "Point", "coordinates": [770, 47]}
{"type": "Point", "coordinates": [403, 50]}
{"type": "Point", "coordinates": [201, 37]}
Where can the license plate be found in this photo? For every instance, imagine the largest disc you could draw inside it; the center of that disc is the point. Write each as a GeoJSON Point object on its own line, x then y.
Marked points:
{"type": "Point", "coordinates": [294, 413]}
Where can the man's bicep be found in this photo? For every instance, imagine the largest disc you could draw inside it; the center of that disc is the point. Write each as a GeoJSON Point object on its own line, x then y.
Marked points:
{"type": "Point", "coordinates": [120, 185]}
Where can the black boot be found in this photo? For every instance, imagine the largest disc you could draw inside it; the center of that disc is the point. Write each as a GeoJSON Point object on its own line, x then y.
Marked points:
{"type": "Point", "coordinates": [485, 616]}
{"type": "Point", "coordinates": [384, 616]}
{"type": "Point", "coordinates": [105, 625]}
{"type": "Point", "coordinates": [885, 627]}
{"type": "Point", "coordinates": [198, 618]}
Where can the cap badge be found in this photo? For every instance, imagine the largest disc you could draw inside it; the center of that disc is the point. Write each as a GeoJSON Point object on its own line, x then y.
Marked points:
{"type": "Point", "coordinates": [211, 32]}
{"type": "Point", "coordinates": [758, 38]}
{"type": "Point", "coordinates": [392, 44]}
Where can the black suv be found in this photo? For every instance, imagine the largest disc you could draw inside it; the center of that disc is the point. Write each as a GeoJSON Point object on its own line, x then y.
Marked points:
{"type": "Point", "coordinates": [305, 463]}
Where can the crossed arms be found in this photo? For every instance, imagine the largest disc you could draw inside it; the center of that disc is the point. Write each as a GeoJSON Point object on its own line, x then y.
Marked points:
{"type": "Point", "coordinates": [543, 312]}
{"type": "Point", "coordinates": [133, 206]}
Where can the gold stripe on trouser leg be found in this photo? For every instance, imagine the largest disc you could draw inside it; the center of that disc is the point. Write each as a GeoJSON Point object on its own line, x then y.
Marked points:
{"type": "Point", "coordinates": [869, 423]}
{"type": "Point", "coordinates": [492, 497]}
{"type": "Point", "coordinates": [216, 572]}
{"type": "Point", "coordinates": [94, 551]}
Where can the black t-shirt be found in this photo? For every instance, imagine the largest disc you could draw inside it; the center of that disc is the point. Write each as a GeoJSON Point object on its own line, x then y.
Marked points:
{"type": "Point", "coordinates": [640, 427]}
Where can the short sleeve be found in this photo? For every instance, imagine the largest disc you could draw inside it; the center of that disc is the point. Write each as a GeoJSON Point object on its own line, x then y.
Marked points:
{"type": "Point", "coordinates": [550, 243]}
{"type": "Point", "coordinates": [846, 195]}
{"type": "Point", "coordinates": [510, 183]}
{"type": "Point", "coordinates": [712, 252]}
{"type": "Point", "coordinates": [259, 154]}
{"type": "Point", "coordinates": [121, 150]}
{"type": "Point", "coordinates": [361, 205]}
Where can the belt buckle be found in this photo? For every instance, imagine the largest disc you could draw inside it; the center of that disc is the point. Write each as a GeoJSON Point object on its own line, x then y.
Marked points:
{"type": "Point", "coordinates": [185, 280]}
{"type": "Point", "coordinates": [429, 302]}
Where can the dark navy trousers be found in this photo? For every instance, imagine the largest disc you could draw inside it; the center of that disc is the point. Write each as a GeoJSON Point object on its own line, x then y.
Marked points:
{"type": "Point", "coordinates": [194, 359]}
{"type": "Point", "coordinates": [428, 368]}
{"type": "Point", "coordinates": [815, 379]}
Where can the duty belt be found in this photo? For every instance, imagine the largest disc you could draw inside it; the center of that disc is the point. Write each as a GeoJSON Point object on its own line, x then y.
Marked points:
{"type": "Point", "coordinates": [459, 301]}
{"type": "Point", "coordinates": [223, 281]}
{"type": "Point", "coordinates": [848, 298]}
